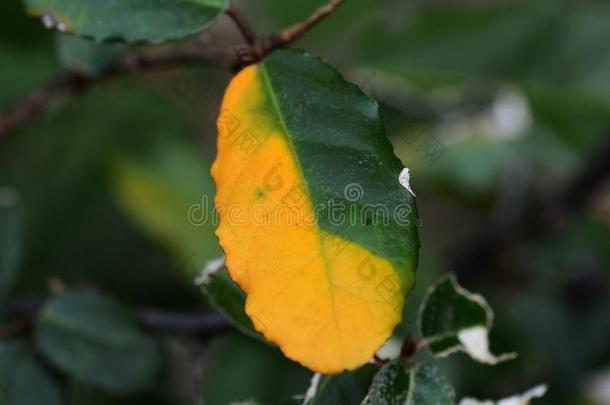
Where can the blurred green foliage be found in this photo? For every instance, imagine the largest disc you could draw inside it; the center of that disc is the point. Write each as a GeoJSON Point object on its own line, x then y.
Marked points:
{"type": "Point", "coordinates": [105, 182]}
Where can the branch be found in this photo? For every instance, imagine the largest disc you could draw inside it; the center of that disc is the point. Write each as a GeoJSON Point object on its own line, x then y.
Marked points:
{"type": "Point", "coordinates": [203, 325]}
{"type": "Point", "coordinates": [14, 328]}
{"type": "Point", "coordinates": [68, 83]}
{"type": "Point", "coordinates": [242, 24]}
{"type": "Point", "coordinates": [474, 256]}
{"type": "Point", "coordinates": [291, 34]}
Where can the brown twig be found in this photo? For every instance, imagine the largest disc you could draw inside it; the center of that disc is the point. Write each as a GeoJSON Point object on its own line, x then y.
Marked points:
{"type": "Point", "coordinates": [293, 33]}
{"type": "Point", "coordinates": [409, 347]}
{"type": "Point", "coordinates": [242, 24]}
{"type": "Point", "coordinates": [69, 82]}
{"type": "Point", "coordinates": [379, 362]}
{"type": "Point", "coordinates": [15, 328]}
{"type": "Point", "coordinates": [203, 325]}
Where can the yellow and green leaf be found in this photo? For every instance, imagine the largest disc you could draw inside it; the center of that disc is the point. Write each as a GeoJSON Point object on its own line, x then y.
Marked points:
{"type": "Point", "coordinates": [316, 227]}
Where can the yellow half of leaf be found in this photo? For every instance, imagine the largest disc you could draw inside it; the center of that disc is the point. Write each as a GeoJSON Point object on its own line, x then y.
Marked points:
{"type": "Point", "coordinates": [327, 300]}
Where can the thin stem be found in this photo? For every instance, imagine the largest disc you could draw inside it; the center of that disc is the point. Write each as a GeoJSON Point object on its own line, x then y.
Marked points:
{"type": "Point", "coordinates": [14, 328]}
{"type": "Point", "coordinates": [202, 325]}
{"type": "Point", "coordinates": [242, 24]}
{"type": "Point", "coordinates": [293, 33]}
{"type": "Point", "coordinates": [410, 347]}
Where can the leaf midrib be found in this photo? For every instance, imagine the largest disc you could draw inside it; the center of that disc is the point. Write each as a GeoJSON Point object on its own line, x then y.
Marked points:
{"type": "Point", "coordinates": [268, 86]}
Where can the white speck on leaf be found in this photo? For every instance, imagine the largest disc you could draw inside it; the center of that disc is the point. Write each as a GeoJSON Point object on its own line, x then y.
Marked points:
{"type": "Point", "coordinates": [404, 178]}
{"type": "Point", "coordinates": [47, 20]}
{"type": "Point", "coordinates": [62, 27]}
{"type": "Point", "coordinates": [211, 267]}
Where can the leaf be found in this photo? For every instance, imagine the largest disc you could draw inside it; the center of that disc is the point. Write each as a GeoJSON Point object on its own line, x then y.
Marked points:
{"type": "Point", "coordinates": [251, 370]}
{"type": "Point", "coordinates": [226, 296]}
{"type": "Point", "coordinates": [85, 56]}
{"type": "Point", "coordinates": [400, 383]}
{"type": "Point", "coordinates": [315, 226]}
{"type": "Point", "coordinates": [127, 20]}
{"type": "Point", "coordinates": [453, 319]}
{"type": "Point", "coordinates": [10, 238]}
{"type": "Point", "coordinates": [167, 192]}
{"type": "Point", "coordinates": [347, 388]}
{"type": "Point", "coordinates": [96, 340]}
{"type": "Point", "coordinates": [23, 380]}
{"type": "Point", "coordinates": [523, 399]}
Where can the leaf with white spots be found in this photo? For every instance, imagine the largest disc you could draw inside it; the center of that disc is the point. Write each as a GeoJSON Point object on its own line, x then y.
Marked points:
{"type": "Point", "coordinates": [452, 319]}
{"type": "Point", "coordinates": [401, 383]}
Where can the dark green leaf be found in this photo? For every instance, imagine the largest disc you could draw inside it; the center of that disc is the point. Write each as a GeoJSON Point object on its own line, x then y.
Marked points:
{"type": "Point", "coordinates": [128, 20]}
{"type": "Point", "coordinates": [453, 319]}
{"type": "Point", "coordinates": [24, 381]}
{"type": "Point", "coordinates": [402, 384]}
{"type": "Point", "coordinates": [241, 369]}
{"type": "Point", "coordinates": [347, 388]}
{"type": "Point", "coordinates": [97, 341]}
{"type": "Point", "coordinates": [10, 238]}
{"type": "Point", "coordinates": [227, 297]}
{"type": "Point", "coordinates": [85, 56]}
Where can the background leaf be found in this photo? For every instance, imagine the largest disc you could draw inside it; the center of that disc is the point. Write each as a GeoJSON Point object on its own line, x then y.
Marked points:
{"type": "Point", "coordinates": [453, 319]}
{"type": "Point", "coordinates": [347, 388]}
{"type": "Point", "coordinates": [128, 20]}
{"type": "Point", "coordinates": [227, 298]}
{"type": "Point", "coordinates": [96, 340]}
{"type": "Point", "coordinates": [23, 380]}
{"type": "Point", "coordinates": [168, 193]}
{"type": "Point", "coordinates": [400, 383]}
{"type": "Point", "coordinates": [83, 55]}
{"type": "Point", "coordinates": [240, 368]}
